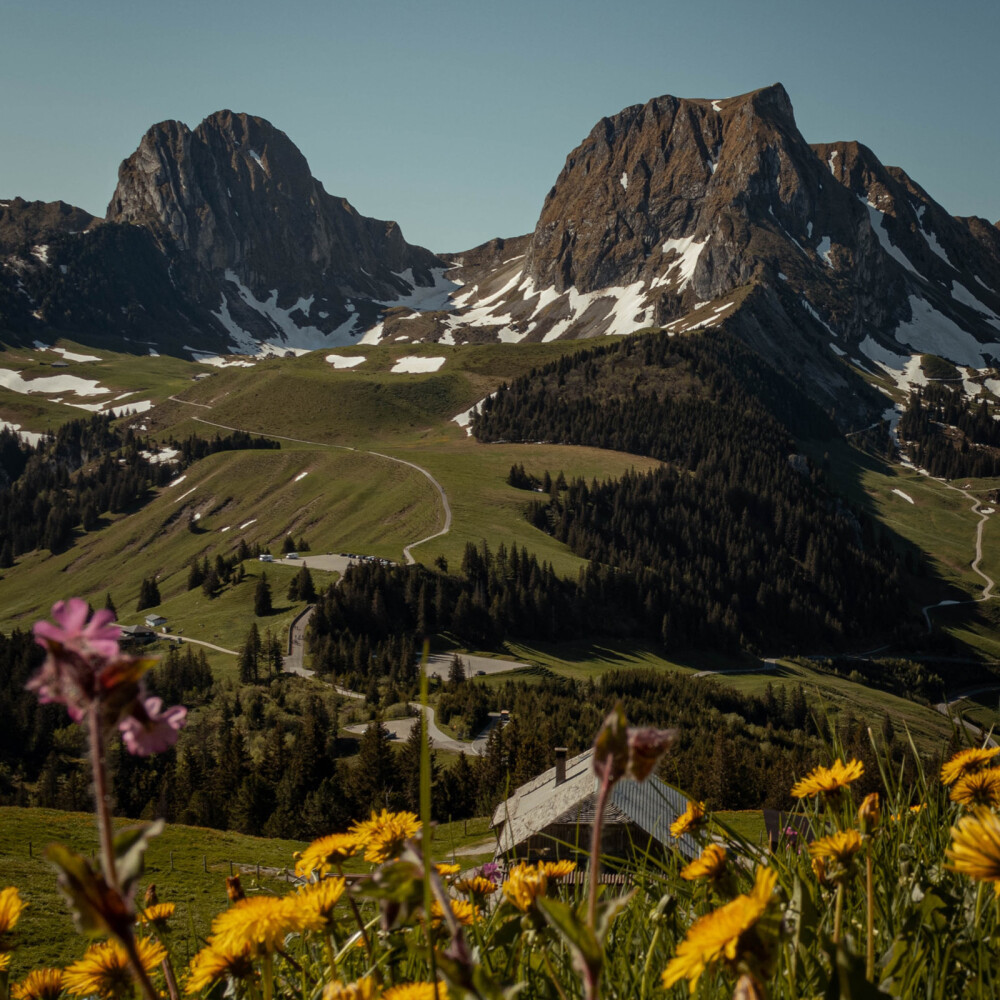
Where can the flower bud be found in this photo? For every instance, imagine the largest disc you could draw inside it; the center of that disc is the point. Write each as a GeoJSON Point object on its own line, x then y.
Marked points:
{"type": "Point", "coordinates": [869, 813]}
{"type": "Point", "coordinates": [645, 748]}
{"type": "Point", "coordinates": [234, 889]}
{"type": "Point", "coordinates": [611, 750]}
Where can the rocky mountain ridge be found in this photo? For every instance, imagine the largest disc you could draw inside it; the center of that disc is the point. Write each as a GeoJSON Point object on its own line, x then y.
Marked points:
{"type": "Point", "coordinates": [677, 214]}
{"type": "Point", "coordinates": [683, 214]}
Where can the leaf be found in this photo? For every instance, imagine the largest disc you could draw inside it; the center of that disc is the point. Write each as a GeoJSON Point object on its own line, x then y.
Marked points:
{"type": "Point", "coordinates": [97, 908]}
{"type": "Point", "coordinates": [507, 933]}
{"type": "Point", "coordinates": [582, 942]}
{"type": "Point", "coordinates": [130, 848]}
{"type": "Point", "coordinates": [803, 913]}
{"type": "Point", "coordinates": [473, 978]}
{"type": "Point", "coordinates": [848, 981]}
{"type": "Point", "coordinates": [607, 910]}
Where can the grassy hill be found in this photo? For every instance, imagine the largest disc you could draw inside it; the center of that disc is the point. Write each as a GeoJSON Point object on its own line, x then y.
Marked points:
{"type": "Point", "coordinates": [187, 864]}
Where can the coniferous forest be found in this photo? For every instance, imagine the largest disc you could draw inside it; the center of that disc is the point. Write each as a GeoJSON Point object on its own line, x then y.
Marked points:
{"type": "Point", "coordinates": [264, 758]}
{"type": "Point", "coordinates": [735, 540]}
{"type": "Point", "coordinates": [948, 435]}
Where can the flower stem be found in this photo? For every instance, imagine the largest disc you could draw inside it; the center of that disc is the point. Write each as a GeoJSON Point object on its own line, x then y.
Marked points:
{"type": "Point", "coordinates": [103, 811]}
{"type": "Point", "coordinates": [170, 978]}
{"type": "Point", "coordinates": [870, 910]}
{"type": "Point", "coordinates": [838, 913]}
{"type": "Point", "coordinates": [595, 845]}
{"type": "Point", "coordinates": [267, 975]}
{"type": "Point", "coordinates": [361, 926]}
{"type": "Point", "coordinates": [101, 797]}
{"type": "Point", "coordinates": [648, 967]}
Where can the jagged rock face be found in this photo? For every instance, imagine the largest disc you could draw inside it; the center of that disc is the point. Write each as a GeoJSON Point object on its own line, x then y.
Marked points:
{"type": "Point", "coordinates": [732, 176]}
{"type": "Point", "coordinates": [238, 195]}
{"type": "Point", "coordinates": [28, 224]}
{"type": "Point", "coordinates": [683, 214]}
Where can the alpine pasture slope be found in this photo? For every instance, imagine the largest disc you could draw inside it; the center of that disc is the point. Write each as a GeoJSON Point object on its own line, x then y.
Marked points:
{"type": "Point", "coordinates": [333, 492]}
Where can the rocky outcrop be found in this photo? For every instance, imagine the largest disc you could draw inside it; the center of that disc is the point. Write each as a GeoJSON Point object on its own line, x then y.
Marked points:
{"type": "Point", "coordinates": [237, 196]}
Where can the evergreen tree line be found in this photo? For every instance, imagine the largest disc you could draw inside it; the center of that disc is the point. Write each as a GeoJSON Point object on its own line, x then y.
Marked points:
{"type": "Point", "coordinates": [734, 541]}
{"type": "Point", "coordinates": [262, 758]}
{"type": "Point", "coordinates": [86, 468]}
{"type": "Point", "coordinates": [950, 436]}
{"type": "Point", "coordinates": [266, 759]}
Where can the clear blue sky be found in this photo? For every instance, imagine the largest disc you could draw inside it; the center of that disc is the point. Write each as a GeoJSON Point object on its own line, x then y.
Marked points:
{"type": "Point", "coordinates": [454, 118]}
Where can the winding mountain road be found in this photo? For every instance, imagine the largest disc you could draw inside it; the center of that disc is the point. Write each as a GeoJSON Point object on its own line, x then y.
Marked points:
{"type": "Point", "coordinates": [407, 554]}
{"type": "Point", "coordinates": [989, 582]}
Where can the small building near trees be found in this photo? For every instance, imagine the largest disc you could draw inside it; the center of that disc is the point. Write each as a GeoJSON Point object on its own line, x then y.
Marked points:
{"type": "Point", "coordinates": [551, 817]}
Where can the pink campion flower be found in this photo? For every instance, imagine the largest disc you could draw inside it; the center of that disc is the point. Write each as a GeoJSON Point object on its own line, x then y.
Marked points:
{"type": "Point", "coordinates": [78, 650]}
{"type": "Point", "coordinates": [490, 870]}
{"type": "Point", "coordinates": [72, 630]}
{"type": "Point", "coordinates": [148, 729]}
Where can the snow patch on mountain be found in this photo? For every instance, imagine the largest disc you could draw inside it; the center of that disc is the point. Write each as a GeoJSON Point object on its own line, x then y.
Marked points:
{"type": "Point", "coordinates": [32, 438]}
{"type": "Point", "coordinates": [14, 381]}
{"type": "Point", "coordinates": [878, 226]}
{"type": "Point", "coordinates": [425, 298]}
{"type": "Point", "coordinates": [287, 329]}
{"type": "Point", "coordinates": [414, 363]}
{"type": "Point", "coordinates": [931, 332]}
{"type": "Point", "coordinates": [67, 355]}
{"type": "Point", "coordinates": [931, 239]}
{"type": "Point", "coordinates": [816, 316]}
{"type": "Point", "coordinates": [688, 250]}
{"type": "Point", "coordinates": [341, 361]}
{"type": "Point", "coordinates": [464, 419]}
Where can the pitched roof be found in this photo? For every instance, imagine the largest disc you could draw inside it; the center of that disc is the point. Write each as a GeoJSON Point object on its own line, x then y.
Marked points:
{"type": "Point", "coordinates": [651, 805]}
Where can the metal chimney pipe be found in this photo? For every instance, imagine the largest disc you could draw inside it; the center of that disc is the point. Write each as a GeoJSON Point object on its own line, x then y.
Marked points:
{"type": "Point", "coordinates": [561, 764]}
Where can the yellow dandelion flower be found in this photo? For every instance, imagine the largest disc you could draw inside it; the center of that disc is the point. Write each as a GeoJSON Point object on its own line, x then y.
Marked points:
{"type": "Point", "coordinates": [318, 900]}
{"type": "Point", "coordinates": [158, 914]}
{"type": "Point", "coordinates": [966, 762]}
{"type": "Point", "coordinates": [446, 870]}
{"type": "Point", "coordinates": [709, 865]}
{"type": "Point", "coordinates": [416, 991]}
{"type": "Point", "coordinates": [557, 869]}
{"type": "Point", "coordinates": [975, 847]}
{"type": "Point", "coordinates": [326, 853]}
{"type": "Point", "coordinates": [827, 780]}
{"type": "Point", "coordinates": [524, 885]}
{"type": "Point", "coordinates": [896, 817]}
{"type": "Point", "coordinates": [384, 834]}
{"type": "Point", "coordinates": [981, 788]}
{"type": "Point", "coordinates": [476, 886]}
{"type": "Point", "coordinates": [11, 907]}
{"type": "Point", "coordinates": [362, 989]}
{"type": "Point", "coordinates": [718, 935]}
{"type": "Point", "coordinates": [42, 984]}
{"type": "Point", "coordinates": [840, 847]}
{"type": "Point", "coordinates": [4, 961]}
{"type": "Point", "coordinates": [464, 912]}
{"type": "Point", "coordinates": [262, 922]}
{"type": "Point", "coordinates": [689, 820]}
{"type": "Point", "coordinates": [213, 963]}
{"type": "Point", "coordinates": [104, 969]}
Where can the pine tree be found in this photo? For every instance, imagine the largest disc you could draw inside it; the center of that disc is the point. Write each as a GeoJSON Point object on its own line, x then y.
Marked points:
{"type": "Point", "coordinates": [262, 597]}
{"type": "Point", "coordinates": [109, 605]}
{"type": "Point", "coordinates": [249, 658]}
{"type": "Point", "coordinates": [149, 594]}
{"type": "Point", "coordinates": [305, 587]}
{"type": "Point", "coordinates": [373, 775]}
